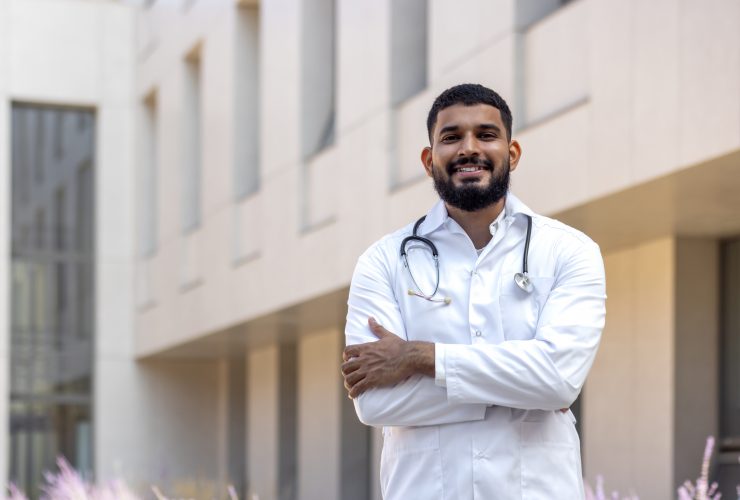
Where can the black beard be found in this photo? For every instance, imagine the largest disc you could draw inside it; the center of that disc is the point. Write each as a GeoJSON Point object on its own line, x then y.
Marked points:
{"type": "Point", "coordinates": [469, 197]}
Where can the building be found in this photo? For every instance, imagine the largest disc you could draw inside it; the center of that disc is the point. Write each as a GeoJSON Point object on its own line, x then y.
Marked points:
{"type": "Point", "coordinates": [204, 173]}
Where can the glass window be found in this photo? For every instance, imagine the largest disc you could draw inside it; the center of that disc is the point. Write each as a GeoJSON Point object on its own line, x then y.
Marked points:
{"type": "Point", "coordinates": [148, 185]}
{"type": "Point", "coordinates": [409, 22]}
{"type": "Point", "coordinates": [50, 409]}
{"type": "Point", "coordinates": [246, 119]}
{"type": "Point", "coordinates": [318, 76]}
{"type": "Point", "coordinates": [192, 142]}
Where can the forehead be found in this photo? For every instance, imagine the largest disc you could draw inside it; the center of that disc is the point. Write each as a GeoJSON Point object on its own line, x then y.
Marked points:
{"type": "Point", "coordinates": [464, 116]}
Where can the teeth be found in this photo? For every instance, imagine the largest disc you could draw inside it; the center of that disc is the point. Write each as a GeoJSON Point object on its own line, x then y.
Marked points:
{"type": "Point", "coordinates": [468, 169]}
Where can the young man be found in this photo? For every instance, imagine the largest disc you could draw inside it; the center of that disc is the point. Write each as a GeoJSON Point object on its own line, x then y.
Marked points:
{"type": "Point", "coordinates": [470, 332]}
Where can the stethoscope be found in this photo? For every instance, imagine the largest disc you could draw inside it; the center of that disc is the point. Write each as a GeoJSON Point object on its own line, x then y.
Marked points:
{"type": "Point", "coordinates": [521, 279]}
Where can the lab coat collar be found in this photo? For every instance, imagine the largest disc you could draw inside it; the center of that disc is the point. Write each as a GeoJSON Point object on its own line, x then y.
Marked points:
{"type": "Point", "coordinates": [514, 206]}
{"type": "Point", "coordinates": [438, 215]}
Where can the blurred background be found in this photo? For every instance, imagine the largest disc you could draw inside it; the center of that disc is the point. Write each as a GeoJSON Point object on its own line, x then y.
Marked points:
{"type": "Point", "coordinates": [186, 185]}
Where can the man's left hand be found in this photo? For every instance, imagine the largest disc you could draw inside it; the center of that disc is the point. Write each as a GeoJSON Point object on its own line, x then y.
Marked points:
{"type": "Point", "coordinates": [382, 363]}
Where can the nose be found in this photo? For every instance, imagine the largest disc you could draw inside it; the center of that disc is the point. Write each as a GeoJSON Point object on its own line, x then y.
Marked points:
{"type": "Point", "coordinates": [469, 146]}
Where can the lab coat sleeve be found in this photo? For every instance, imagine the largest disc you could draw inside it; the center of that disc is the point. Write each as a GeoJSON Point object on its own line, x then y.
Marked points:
{"type": "Point", "coordinates": [547, 372]}
{"type": "Point", "coordinates": [416, 401]}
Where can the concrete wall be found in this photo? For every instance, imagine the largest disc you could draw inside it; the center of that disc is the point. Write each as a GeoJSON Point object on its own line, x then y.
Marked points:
{"type": "Point", "coordinates": [634, 105]}
{"type": "Point", "coordinates": [696, 412]}
{"type": "Point", "coordinates": [262, 422]}
{"type": "Point", "coordinates": [82, 53]}
{"type": "Point", "coordinates": [167, 421]}
{"type": "Point", "coordinates": [319, 416]}
{"type": "Point", "coordinates": [79, 53]}
{"type": "Point", "coordinates": [629, 397]}
{"type": "Point", "coordinates": [607, 120]}
{"type": "Point", "coordinates": [294, 436]}
{"type": "Point", "coordinates": [652, 397]}
{"type": "Point", "coordinates": [627, 72]}
{"type": "Point", "coordinates": [644, 87]}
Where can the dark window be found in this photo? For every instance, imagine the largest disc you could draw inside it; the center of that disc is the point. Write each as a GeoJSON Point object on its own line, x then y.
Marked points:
{"type": "Point", "coordinates": [409, 22]}
{"type": "Point", "coordinates": [247, 123]}
{"type": "Point", "coordinates": [51, 295]}
{"type": "Point", "coordinates": [318, 76]}
{"type": "Point", "coordinates": [192, 142]}
{"type": "Point", "coordinates": [729, 356]}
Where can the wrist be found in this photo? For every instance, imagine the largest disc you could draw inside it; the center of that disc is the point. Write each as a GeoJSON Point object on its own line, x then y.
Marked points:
{"type": "Point", "coordinates": [421, 358]}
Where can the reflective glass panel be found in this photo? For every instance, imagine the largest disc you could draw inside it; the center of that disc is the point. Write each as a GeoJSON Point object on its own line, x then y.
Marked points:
{"type": "Point", "coordinates": [52, 279]}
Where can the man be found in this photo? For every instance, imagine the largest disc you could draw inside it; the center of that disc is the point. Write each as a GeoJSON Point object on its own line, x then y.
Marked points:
{"type": "Point", "coordinates": [469, 361]}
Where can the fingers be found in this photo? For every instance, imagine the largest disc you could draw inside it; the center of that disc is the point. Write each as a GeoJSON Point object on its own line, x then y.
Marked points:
{"type": "Point", "coordinates": [378, 330]}
{"type": "Point", "coordinates": [355, 350]}
{"type": "Point", "coordinates": [351, 380]}
{"type": "Point", "coordinates": [350, 366]}
{"type": "Point", "coordinates": [351, 351]}
{"type": "Point", "coordinates": [358, 388]}
{"type": "Point", "coordinates": [351, 373]}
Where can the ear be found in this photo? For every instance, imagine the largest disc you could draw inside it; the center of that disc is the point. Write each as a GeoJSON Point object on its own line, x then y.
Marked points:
{"type": "Point", "coordinates": [515, 153]}
{"type": "Point", "coordinates": [426, 159]}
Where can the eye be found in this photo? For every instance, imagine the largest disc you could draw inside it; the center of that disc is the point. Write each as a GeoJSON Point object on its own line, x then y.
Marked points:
{"type": "Point", "coordinates": [489, 136]}
{"type": "Point", "coordinates": [449, 138]}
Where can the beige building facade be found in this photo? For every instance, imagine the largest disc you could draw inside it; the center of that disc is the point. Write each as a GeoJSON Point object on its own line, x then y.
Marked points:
{"type": "Point", "coordinates": [247, 152]}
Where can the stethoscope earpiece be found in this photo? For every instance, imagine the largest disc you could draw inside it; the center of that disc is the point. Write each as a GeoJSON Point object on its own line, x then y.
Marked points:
{"type": "Point", "coordinates": [446, 300]}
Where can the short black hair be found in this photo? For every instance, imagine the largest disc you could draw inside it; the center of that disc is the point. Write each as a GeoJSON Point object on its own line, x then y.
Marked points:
{"type": "Point", "coordinates": [469, 94]}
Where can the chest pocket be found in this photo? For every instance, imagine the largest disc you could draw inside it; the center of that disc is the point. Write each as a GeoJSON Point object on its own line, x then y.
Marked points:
{"type": "Point", "coordinates": [520, 310]}
{"type": "Point", "coordinates": [433, 321]}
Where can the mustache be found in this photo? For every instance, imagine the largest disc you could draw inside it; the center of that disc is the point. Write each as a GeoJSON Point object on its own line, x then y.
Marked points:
{"type": "Point", "coordinates": [469, 161]}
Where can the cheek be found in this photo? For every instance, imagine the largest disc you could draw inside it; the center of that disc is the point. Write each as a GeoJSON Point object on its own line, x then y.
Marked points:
{"type": "Point", "coordinates": [442, 158]}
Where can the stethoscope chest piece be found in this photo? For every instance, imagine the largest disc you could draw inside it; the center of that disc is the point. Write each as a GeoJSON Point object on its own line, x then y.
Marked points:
{"type": "Point", "coordinates": [523, 282]}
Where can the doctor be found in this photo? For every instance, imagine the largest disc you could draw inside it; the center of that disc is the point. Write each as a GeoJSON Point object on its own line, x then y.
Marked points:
{"type": "Point", "coordinates": [469, 371]}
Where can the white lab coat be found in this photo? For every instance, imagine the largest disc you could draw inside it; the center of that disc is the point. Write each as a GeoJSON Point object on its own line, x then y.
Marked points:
{"type": "Point", "coordinates": [489, 427]}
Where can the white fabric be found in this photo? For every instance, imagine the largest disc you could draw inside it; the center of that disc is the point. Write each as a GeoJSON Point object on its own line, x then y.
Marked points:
{"type": "Point", "coordinates": [495, 224]}
{"type": "Point", "coordinates": [440, 377]}
{"type": "Point", "coordinates": [511, 360]}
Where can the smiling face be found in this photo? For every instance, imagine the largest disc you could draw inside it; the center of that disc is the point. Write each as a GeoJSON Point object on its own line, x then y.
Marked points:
{"type": "Point", "coordinates": [471, 156]}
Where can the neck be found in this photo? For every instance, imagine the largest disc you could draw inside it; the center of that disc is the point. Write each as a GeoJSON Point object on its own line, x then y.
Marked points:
{"type": "Point", "coordinates": [476, 224]}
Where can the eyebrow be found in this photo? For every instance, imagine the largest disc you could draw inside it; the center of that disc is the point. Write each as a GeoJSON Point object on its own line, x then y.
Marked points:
{"type": "Point", "coordinates": [484, 126]}
{"type": "Point", "coordinates": [490, 126]}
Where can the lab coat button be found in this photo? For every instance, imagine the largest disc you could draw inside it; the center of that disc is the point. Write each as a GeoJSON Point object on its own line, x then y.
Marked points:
{"type": "Point", "coordinates": [478, 333]}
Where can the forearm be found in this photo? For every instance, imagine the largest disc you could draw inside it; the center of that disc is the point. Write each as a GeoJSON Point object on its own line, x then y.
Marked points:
{"type": "Point", "coordinates": [413, 402]}
{"type": "Point", "coordinates": [527, 374]}
{"type": "Point", "coordinates": [547, 371]}
{"type": "Point", "coordinates": [392, 384]}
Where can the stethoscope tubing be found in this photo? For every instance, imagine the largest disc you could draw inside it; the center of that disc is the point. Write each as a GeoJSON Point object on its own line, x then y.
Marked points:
{"type": "Point", "coordinates": [435, 254]}
{"type": "Point", "coordinates": [525, 258]}
{"type": "Point", "coordinates": [521, 279]}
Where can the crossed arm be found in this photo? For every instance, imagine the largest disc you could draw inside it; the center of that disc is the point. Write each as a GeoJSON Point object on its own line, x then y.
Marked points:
{"type": "Point", "coordinates": [392, 380]}
{"type": "Point", "coordinates": [384, 362]}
